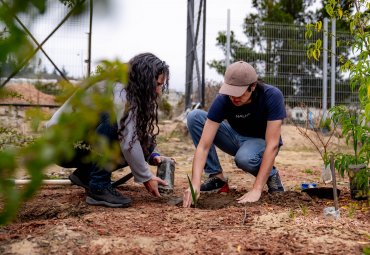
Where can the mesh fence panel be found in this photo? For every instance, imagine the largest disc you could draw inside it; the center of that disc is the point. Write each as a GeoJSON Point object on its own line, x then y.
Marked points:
{"type": "Point", "coordinates": [67, 47]}
{"type": "Point", "coordinates": [279, 55]}
{"type": "Point", "coordinates": [198, 61]}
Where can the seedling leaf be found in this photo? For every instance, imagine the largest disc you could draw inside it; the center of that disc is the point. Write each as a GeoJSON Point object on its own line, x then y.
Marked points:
{"type": "Point", "coordinates": [193, 192]}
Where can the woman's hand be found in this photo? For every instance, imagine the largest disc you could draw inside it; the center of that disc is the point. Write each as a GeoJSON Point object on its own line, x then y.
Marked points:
{"type": "Point", "coordinates": [158, 159]}
{"type": "Point", "coordinates": [152, 185]}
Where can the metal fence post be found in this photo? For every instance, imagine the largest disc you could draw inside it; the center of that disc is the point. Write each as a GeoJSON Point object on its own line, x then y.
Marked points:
{"type": "Point", "coordinates": [89, 40]}
{"type": "Point", "coordinates": [333, 64]}
{"type": "Point", "coordinates": [227, 60]}
{"type": "Point", "coordinates": [189, 55]}
{"type": "Point", "coordinates": [325, 70]}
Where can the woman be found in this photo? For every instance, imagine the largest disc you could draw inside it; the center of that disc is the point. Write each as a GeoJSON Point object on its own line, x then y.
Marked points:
{"type": "Point", "coordinates": [136, 128]}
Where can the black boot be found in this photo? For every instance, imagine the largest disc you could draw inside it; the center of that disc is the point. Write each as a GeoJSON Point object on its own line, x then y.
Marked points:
{"type": "Point", "coordinates": [80, 177]}
{"type": "Point", "coordinates": [109, 197]}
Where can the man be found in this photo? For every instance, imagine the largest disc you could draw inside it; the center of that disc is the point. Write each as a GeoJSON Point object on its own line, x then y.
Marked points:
{"type": "Point", "coordinates": [254, 112]}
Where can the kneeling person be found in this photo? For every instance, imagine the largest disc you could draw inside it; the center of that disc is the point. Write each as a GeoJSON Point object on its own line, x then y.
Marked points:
{"type": "Point", "coordinates": [254, 112]}
{"type": "Point", "coordinates": [135, 107]}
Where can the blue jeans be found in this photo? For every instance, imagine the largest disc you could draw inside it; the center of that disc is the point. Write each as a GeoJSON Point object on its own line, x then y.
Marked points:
{"type": "Point", "coordinates": [248, 151]}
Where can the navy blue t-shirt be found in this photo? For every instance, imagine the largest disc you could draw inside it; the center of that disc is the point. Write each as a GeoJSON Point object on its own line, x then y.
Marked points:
{"type": "Point", "coordinates": [250, 119]}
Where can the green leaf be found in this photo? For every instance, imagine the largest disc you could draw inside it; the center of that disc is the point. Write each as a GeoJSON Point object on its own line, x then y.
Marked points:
{"type": "Point", "coordinates": [329, 10]}
{"type": "Point", "coordinates": [316, 54]}
{"type": "Point", "coordinates": [340, 12]}
{"type": "Point", "coordinates": [193, 192]}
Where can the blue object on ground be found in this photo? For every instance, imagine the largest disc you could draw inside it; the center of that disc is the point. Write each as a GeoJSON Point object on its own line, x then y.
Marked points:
{"type": "Point", "coordinates": [308, 185]}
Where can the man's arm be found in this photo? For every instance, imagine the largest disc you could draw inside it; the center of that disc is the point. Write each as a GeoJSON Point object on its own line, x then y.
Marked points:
{"type": "Point", "coordinates": [200, 157]}
{"type": "Point", "coordinates": [272, 137]}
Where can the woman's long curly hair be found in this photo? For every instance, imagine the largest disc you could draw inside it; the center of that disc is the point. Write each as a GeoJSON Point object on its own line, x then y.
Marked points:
{"type": "Point", "coordinates": [144, 70]}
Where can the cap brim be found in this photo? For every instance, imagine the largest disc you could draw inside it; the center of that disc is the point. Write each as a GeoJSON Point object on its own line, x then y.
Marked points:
{"type": "Point", "coordinates": [230, 90]}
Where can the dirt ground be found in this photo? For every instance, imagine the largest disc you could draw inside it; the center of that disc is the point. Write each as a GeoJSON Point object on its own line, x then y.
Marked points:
{"type": "Point", "coordinates": [58, 221]}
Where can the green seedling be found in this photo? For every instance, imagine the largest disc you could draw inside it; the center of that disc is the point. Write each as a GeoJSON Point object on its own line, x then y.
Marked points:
{"type": "Point", "coordinates": [193, 192]}
{"type": "Point", "coordinates": [292, 214]}
{"type": "Point", "coordinates": [308, 171]}
{"type": "Point", "coordinates": [304, 210]}
{"type": "Point", "coordinates": [352, 209]}
{"type": "Point", "coordinates": [366, 250]}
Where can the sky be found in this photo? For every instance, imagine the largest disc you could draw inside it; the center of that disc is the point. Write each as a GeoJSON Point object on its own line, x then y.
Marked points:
{"type": "Point", "coordinates": [131, 27]}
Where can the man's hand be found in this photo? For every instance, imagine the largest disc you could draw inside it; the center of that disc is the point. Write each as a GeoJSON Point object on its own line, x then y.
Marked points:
{"type": "Point", "coordinates": [188, 198]}
{"type": "Point", "coordinates": [251, 196]}
{"type": "Point", "coordinates": [152, 185]}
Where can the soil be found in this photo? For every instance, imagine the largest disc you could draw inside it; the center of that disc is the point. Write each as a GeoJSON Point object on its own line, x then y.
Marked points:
{"type": "Point", "coordinates": [58, 221]}
{"type": "Point", "coordinates": [27, 94]}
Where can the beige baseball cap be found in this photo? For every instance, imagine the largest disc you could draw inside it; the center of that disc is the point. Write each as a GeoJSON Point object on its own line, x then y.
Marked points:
{"type": "Point", "coordinates": [237, 77]}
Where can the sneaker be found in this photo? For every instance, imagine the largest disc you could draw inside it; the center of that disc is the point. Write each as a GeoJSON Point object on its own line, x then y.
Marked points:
{"type": "Point", "coordinates": [78, 179]}
{"type": "Point", "coordinates": [275, 184]}
{"type": "Point", "coordinates": [109, 197]}
{"type": "Point", "coordinates": [214, 184]}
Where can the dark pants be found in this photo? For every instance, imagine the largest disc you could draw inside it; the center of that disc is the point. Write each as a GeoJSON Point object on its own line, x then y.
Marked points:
{"type": "Point", "coordinates": [91, 172]}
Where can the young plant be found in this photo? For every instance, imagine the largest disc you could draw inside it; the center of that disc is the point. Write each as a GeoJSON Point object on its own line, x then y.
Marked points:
{"type": "Point", "coordinates": [352, 209]}
{"type": "Point", "coordinates": [312, 130]}
{"type": "Point", "coordinates": [309, 171]}
{"type": "Point", "coordinates": [356, 133]}
{"type": "Point", "coordinates": [304, 209]}
{"type": "Point", "coordinates": [193, 192]}
{"type": "Point", "coordinates": [366, 250]}
{"type": "Point", "coordinates": [317, 139]}
{"type": "Point", "coordinates": [292, 214]}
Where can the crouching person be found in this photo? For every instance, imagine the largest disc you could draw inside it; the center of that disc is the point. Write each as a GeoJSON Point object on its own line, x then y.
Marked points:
{"type": "Point", "coordinates": [135, 130]}
{"type": "Point", "coordinates": [254, 112]}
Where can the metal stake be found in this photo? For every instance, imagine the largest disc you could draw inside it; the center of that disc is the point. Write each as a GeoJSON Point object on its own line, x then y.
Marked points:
{"type": "Point", "coordinates": [335, 194]}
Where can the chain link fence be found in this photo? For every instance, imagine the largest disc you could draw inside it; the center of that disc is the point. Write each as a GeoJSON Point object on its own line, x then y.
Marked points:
{"type": "Point", "coordinates": [64, 42]}
{"type": "Point", "coordinates": [278, 52]}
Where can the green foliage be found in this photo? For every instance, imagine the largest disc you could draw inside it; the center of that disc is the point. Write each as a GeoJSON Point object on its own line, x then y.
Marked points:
{"type": "Point", "coordinates": [71, 3]}
{"type": "Point", "coordinates": [6, 93]}
{"type": "Point", "coordinates": [10, 137]}
{"type": "Point", "coordinates": [274, 42]}
{"type": "Point", "coordinates": [15, 42]}
{"type": "Point", "coordinates": [292, 214]}
{"type": "Point", "coordinates": [309, 171]}
{"type": "Point", "coordinates": [285, 11]}
{"type": "Point", "coordinates": [355, 132]}
{"type": "Point", "coordinates": [58, 142]}
{"type": "Point", "coordinates": [366, 250]}
{"type": "Point", "coordinates": [361, 179]}
{"type": "Point", "coordinates": [355, 15]}
{"type": "Point", "coordinates": [36, 116]}
{"type": "Point", "coordinates": [304, 209]}
{"type": "Point", "coordinates": [352, 208]}
{"type": "Point", "coordinates": [49, 88]}
{"type": "Point", "coordinates": [165, 107]}
{"type": "Point", "coordinates": [15, 45]}
{"type": "Point", "coordinates": [325, 124]}
{"type": "Point", "coordinates": [354, 122]}
{"type": "Point", "coordinates": [194, 194]}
